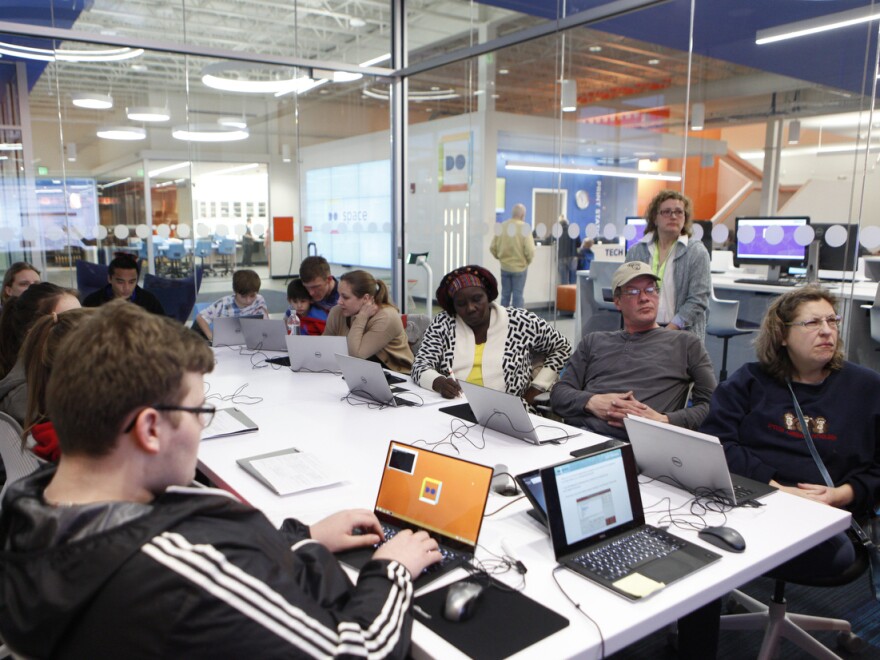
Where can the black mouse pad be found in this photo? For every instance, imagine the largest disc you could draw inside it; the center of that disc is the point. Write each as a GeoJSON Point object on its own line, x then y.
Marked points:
{"type": "Point", "coordinates": [505, 622]}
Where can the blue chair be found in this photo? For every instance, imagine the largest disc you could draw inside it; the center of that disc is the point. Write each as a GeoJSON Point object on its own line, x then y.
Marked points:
{"type": "Point", "coordinates": [226, 249]}
{"type": "Point", "coordinates": [204, 250]}
{"type": "Point", "coordinates": [175, 256]}
{"type": "Point", "coordinates": [90, 277]}
{"type": "Point", "coordinates": [177, 295]}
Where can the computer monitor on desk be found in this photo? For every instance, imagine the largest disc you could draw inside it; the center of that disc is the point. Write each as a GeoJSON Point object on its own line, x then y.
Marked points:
{"type": "Point", "coordinates": [770, 241]}
{"type": "Point", "coordinates": [837, 263]}
{"type": "Point", "coordinates": [638, 225]}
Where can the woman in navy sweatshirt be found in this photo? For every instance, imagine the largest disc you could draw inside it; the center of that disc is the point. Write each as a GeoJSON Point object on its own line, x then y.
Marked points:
{"type": "Point", "coordinates": [754, 416]}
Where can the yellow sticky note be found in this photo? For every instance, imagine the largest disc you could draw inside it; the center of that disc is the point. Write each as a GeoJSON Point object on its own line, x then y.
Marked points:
{"type": "Point", "coordinates": [638, 585]}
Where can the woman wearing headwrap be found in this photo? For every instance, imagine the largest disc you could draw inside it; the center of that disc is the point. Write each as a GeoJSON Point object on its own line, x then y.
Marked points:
{"type": "Point", "coordinates": [477, 340]}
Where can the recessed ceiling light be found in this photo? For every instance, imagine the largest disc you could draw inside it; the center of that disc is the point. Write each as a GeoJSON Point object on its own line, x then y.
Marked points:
{"type": "Point", "coordinates": [595, 49]}
{"type": "Point", "coordinates": [654, 62]}
{"type": "Point", "coordinates": [92, 101]}
{"type": "Point", "coordinates": [356, 22]}
{"type": "Point", "coordinates": [434, 88]}
{"type": "Point", "coordinates": [122, 133]}
{"type": "Point", "coordinates": [147, 113]}
{"type": "Point", "coordinates": [139, 68]}
{"type": "Point", "coordinates": [208, 133]}
{"type": "Point", "coordinates": [503, 72]}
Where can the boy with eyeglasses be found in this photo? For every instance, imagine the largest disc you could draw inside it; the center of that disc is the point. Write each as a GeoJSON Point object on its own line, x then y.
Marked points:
{"type": "Point", "coordinates": [111, 554]}
{"type": "Point", "coordinates": [642, 370]}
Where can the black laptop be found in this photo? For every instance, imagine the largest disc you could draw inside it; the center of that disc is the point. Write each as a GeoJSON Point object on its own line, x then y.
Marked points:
{"type": "Point", "coordinates": [594, 511]}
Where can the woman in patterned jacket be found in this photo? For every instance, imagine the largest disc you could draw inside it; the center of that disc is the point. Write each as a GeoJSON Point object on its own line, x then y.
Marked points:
{"type": "Point", "coordinates": [477, 340]}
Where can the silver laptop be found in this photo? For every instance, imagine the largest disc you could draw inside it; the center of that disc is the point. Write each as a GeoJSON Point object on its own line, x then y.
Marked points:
{"type": "Point", "coordinates": [264, 334]}
{"type": "Point", "coordinates": [505, 413]}
{"type": "Point", "coordinates": [688, 459]}
{"type": "Point", "coordinates": [366, 381]}
{"type": "Point", "coordinates": [314, 353]}
{"type": "Point", "coordinates": [227, 332]}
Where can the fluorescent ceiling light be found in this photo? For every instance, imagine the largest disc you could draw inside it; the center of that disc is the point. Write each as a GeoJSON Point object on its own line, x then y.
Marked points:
{"type": "Point", "coordinates": [418, 97]}
{"type": "Point", "coordinates": [208, 133]}
{"type": "Point", "coordinates": [147, 113]}
{"type": "Point", "coordinates": [67, 55]}
{"type": "Point", "coordinates": [169, 168]}
{"type": "Point", "coordinates": [10, 146]}
{"type": "Point", "coordinates": [92, 101]}
{"type": "Point", "coordinates": [232, 122]}
{"type": "Point", "coordinates": [568, 95]}
{"type": "Point", "coordinates": [122, 133]}
{"type": "Point", "coordinates": [376, 60]}
{"type": "Point", "coordinates": [593, 170]}
{"type": "Point", "coordinates": [356, 22]}
{"type": "Point", "coordinates": [698, 116]}
{"type": "Point", "coordinates": [818, 24]}
{"type": "Point", "coordinates": [232, 170]}
{"type": "Point", "coordinates": [336, 76]}
{"type": "Point", "coordinates": [115, 183]}
{"type": "Point", "coordinates": [849, 147]}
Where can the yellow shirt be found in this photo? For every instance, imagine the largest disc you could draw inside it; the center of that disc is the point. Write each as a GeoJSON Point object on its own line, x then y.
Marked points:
{"type": "Point", "coordinates": [476, 374]}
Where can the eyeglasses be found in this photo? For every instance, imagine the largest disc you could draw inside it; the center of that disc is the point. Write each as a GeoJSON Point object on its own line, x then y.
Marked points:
{"type": "Point", "coordinates": [814, 324]}
{"type": "Point", "coordinates": [666, 213]}
{"type": "Point", "coordinates": [648, 291]}
{"type": "Point", "coordinates": [205, 414]}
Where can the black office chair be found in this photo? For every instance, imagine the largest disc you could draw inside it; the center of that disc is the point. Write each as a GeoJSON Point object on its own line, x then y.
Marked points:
{"type": "Point", "coordinates": [779, 624]}
{"type": "Point", "coordinates": [722, 322]}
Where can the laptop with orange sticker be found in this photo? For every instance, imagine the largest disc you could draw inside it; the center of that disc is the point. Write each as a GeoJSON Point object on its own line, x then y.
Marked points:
{"type": "Point", "coordinates": [440, 494]}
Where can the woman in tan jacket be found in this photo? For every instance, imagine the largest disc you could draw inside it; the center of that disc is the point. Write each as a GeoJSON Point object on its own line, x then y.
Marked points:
{"type": "Point", "coordinates": [369, 320]}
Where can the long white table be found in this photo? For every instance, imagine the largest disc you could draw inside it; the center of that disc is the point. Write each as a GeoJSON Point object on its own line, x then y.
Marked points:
{"type": "Point", "coordinates": [305, 411]}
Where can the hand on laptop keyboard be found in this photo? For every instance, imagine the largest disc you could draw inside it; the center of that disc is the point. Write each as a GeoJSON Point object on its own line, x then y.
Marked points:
{"type": "Point", "coordinates": [416, 551]}
{"type": "Point", "coordinates": [346, 530]}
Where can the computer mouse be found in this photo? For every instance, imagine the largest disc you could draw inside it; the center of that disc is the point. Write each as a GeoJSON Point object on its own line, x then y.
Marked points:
{"type": "Point", "coordinates": [461, 601]}
{"type": "Point", "coordinates": [725, 538]}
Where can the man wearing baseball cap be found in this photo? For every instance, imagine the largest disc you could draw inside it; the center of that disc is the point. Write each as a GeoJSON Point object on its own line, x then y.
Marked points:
{"type": "Point", "coordinates": [642, 370]}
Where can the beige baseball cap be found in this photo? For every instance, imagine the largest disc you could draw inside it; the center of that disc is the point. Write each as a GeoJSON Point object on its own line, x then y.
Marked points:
{"type": "Point", "coordinates": [630, 271]}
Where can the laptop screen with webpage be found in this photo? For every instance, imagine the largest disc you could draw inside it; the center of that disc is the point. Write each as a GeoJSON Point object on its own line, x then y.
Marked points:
{"type": "Point", "coordinates": [444, 495]}
{"type": "Point", "coordinates": [592, 498]}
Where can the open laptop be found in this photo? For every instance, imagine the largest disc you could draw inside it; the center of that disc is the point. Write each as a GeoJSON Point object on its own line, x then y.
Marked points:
{"type": "Point", "coordinates": [226, 331]}
{"type": "Point", "coordinates": [505, 413]}
{"type": "Point", "coordinates": [440, 494]}
{"type": "Point", "coordinates": [598, 528]}
{"type": "Point", "coordinates": [366, 380]}
{"type": "Point", "coordinates": [264, 334]}
{"type": "Point", "coordinates": [315, 354]}
{"type": "Point", "coordinates": [688, 459]}
{"type": "Point", "coordinates": [531, 486]}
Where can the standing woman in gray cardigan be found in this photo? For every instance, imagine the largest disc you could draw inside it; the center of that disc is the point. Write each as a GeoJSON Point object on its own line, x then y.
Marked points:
{"type": "Point", "coordinates": [679, 260]}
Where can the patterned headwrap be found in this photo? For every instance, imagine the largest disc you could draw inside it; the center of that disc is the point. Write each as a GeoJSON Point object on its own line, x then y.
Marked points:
{"type": "Point", "coordinates": [461, 278]}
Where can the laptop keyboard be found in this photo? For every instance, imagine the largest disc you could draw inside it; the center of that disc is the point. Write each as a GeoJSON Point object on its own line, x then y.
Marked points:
{"type": "Point", "coordinates": [620, 557]}
{"type": "Point", "coordinates": [742, 493]}
{"type": "Point", "coordinates": [448, 555]}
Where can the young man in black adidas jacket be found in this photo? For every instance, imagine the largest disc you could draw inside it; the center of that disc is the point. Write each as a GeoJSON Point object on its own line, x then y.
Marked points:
{"type": "Point", "coordinates": [110, 555]}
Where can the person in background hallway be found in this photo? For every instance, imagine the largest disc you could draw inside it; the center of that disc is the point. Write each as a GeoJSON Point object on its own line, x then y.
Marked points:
{"type": "Point", "coordinates": [514, 248]}
{"type": "Point", "coordinates": [566, 251]}
{"type": "Point", "coordinates": [680, 261]}
{"type": "Point", "coordinates": [247, 244]}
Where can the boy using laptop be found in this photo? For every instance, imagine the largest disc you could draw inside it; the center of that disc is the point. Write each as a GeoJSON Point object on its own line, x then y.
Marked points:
{"type": "Point", "coordinates": [244, 301]}
{"type": "Point", "coordinates": [111, 554]}
{"type": "Point", "coordinates": [300, 303]}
